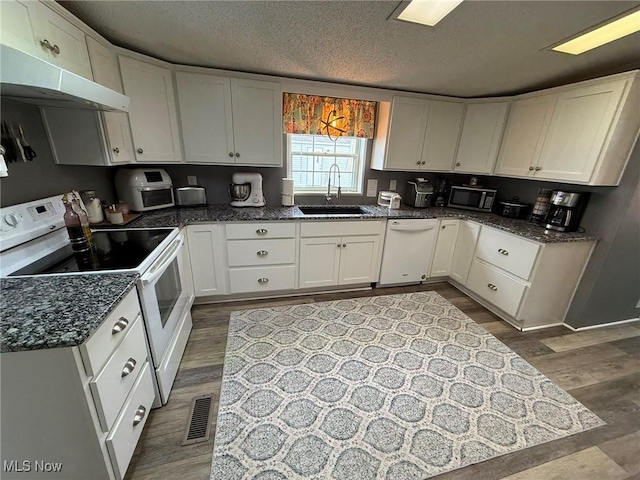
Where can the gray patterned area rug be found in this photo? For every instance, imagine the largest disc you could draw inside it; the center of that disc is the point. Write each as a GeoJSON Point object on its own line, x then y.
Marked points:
{"type": "Point", "coordinates": [396, 387]}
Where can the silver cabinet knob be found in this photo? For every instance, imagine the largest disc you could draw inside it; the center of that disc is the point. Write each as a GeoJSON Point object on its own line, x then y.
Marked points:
{"type": "Point", "coordinates": [116, 150]}
{"type": "Point", "coordinates": [128, 367]}
{"type": "Point", "coordinates": [339, 245]}
{"type": "Point", "coordinates": [423, 277]}
{"type": "Point", "coordinates": [531, 168]}
{"type": "Point", "coordinates": [418, 163]}
{"type": "Point", "coordinates": [231, 154]}
{"type": "Point", "coordinates": [263, 280]}
{"type": "Point", "coordinates": [444, 226]}
{"type": "Point", "coordinates": [237, 154]}
{"type": "Point", "coordinates": [262, 253]}
{"type": "Point", "coordinates": [140, 150]}
{"type": "Point", "coordinates": [492, 287]}
{"type": "Point", "coordinates": [457, 164]}
{"type": "Point", "coordinates": [503, 251]}
{"type": "Point", "coordinates": [55, 49]}
{"type": "Point", "coordinates": [261, 231]}
{"type": "Point", "coordinates": [423, 162]}
{"type": "Point", "coordinates": [46, 44]}
{"type": "Point", "coordinates": [120, 325]}
{"type": "Point", "coordinates": [139, 416]}
{"type": "Point", "coordinates": [344, 245]}
{"type": "Point", "coordinates": [538, 169]}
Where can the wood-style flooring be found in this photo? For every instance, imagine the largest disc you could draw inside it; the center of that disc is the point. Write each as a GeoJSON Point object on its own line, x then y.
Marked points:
{"type": "Point", "coordinates": [600, 368]}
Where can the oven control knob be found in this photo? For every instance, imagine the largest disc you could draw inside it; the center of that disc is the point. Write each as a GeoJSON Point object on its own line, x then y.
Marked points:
{"type": "Point", "coordinates": [11, 219]}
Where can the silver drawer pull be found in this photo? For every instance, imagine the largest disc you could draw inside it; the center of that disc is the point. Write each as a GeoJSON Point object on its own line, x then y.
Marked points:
{"type": "Point", "coordinates": [263, 280]}
{"type": "Point", "coordinates": [139, 416]}
{"type": "Point", "coordinates": [261, 231]}
{"type": "Point", "coordinates": [263, 253]}
{"type": "Point", "coordinates": [128, 367]}
{"type": "Point", "coordinates": [120, 325]}
{"type": "Point", "coordinates": [503, 251]}
{"type": "Point", "coordinates": [492, 287]}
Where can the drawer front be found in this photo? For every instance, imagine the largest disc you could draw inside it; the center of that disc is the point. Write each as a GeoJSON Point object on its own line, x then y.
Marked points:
{"type": "Point", "coordinates": [124, 436]}
{"type": "Point", "coordinates": [114, 382]}
{"type": "Point", "coordinates": [252, 230]}
{"type": "Point", "coordinates": [98, 348]}
{"type": "Point", "coordinates": [244, 253]}
{"type": "Point", "coordinates": [496, 287]}
{"type": "Point", "coordinates": [513, 254]}
{"type": "Point", "coordinates": [262, 278]}
{"type": "Point", "coordinates": [334, 228]}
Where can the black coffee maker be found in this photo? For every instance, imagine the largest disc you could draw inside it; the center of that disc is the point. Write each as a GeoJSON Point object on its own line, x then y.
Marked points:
{"type": "Point", "coordinates": [441, 192]}
{"type": "Point", "coordinates": [565, 211]}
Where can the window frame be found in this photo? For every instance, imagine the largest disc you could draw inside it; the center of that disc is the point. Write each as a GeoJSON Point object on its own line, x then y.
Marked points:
{"type": "Point", "coordinates": [359, 171]}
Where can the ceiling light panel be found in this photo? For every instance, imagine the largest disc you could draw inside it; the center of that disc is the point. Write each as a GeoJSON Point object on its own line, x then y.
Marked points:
{"type": "Point", "coordinates": [427, 12]}
{"type": "Point", "coordinates": [621, 27]}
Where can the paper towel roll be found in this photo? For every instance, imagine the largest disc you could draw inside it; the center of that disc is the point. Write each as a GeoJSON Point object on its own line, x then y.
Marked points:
{"type": "Point", "coordinates": [287, 192]}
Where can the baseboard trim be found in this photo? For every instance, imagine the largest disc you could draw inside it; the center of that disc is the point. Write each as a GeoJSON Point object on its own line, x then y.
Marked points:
{"type": "Point", "coordinates": [601, 325]}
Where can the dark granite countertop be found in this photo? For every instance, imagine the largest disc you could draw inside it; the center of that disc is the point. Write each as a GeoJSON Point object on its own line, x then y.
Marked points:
{"type": "Point", "coordinates": [57, 310]}
{"type": "Point", "coordinates": [178, 217]}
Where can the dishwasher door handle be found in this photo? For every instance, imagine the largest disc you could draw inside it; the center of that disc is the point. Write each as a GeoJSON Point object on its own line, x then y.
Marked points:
{"type": "Point", "coordinates": [410, 228]}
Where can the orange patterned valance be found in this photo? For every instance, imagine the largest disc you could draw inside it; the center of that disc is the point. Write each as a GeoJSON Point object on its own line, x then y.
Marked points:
{"type": "Point", "coordinates": [335, 117]}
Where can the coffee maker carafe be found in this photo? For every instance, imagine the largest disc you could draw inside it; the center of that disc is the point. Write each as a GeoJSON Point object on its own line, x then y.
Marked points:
{"type": "Point", "coordinates": [566, 211]}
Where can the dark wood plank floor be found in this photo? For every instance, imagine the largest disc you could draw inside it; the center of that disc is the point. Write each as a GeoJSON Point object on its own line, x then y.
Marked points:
{"type": "Point", "coordinates": [600, 368]}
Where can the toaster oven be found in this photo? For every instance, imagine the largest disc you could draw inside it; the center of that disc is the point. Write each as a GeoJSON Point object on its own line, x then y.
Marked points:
{"type": "Point", "coordinates": [144, 189]}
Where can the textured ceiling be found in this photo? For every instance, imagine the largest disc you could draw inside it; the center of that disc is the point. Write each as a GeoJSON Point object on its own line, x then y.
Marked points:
{"type": "Point", "coordinates": [482, 48]}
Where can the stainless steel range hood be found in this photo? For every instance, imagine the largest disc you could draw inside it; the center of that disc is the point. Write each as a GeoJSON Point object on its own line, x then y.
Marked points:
{"type": "Point", "coordinates": [28, 79]}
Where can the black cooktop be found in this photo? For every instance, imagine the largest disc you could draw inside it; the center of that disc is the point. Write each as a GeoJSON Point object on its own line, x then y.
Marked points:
{"type": "Point", "coordinates": [114, 250]}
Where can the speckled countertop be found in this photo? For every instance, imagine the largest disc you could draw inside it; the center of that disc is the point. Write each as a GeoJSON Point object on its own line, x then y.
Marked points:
{"type": "Point", "coordinates": [57, 310]}
{"type": "Point", "coordinates": [178, 217]}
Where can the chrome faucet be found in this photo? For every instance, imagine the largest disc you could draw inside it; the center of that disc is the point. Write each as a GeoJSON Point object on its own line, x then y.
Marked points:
{"type": "Point", "coordinates": [328, 196]}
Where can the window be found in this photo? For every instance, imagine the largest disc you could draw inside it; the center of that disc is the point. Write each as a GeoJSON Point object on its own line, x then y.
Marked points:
{"type": "Point", "coordinates": [309, 158]}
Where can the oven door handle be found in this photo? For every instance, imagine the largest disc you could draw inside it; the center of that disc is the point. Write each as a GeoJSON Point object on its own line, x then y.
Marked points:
{"type": "Point", "coordinates": [165, 259]}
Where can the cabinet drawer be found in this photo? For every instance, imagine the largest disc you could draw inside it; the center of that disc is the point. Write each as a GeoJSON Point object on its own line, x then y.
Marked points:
{"type": "Point", "coordinates": [338, 229]}
{"type": "Point", "coordinates": [261, 252]}
{"type": "Point", "coordinates": [513, 254]}
{"type": "Point", "coordinates": [496, 286]}
{"type": "Point", "coordinates": [252, 230]}
{"type": "Point", "coordinates": [112, 385]}
{"type": "Point", "coordinates": [98, 348]}
{"type": "Point", "coordinates": [124, 436]}
{"type": "Point", "coordinates": [262, 278]}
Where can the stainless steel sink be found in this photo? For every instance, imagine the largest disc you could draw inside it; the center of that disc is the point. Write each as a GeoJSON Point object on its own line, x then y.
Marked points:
{"type": "Point", "coordinates": [330, 210]}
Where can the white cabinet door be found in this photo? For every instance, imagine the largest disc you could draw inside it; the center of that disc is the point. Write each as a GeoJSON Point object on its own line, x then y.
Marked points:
{"type": "Point", "coordinates": [319, 261]}
{"type": "Point", "coordinates": [358, 259]}
{"type": "Point", "coordinates": [406, 134]}
{"type": "Point", "coordinates": [152, 111]}
{"type": "Point", "coordinates": [441, 136]}
{"type": "Point", "coordinates": [463, 253]}
{"type": "Point", "coordinates": [524, 135]}
{"type": "Point", "coordinates": [206, 253]}
{"type": "Point", "coordinates": [205, 113]}
{"type": "Point", "coordinates": [104, 64]}
{"type": "Point", "coordinates": [578, 130]}
{"type": "Point", "coordinates": [445, 245]}
{"type": "Point", "coordinates": [21, 27]}
{"type": "Point", "coordinates": [69, 45]}
{"type": "Point", "coordinates": [480, 139]}
{"type": "Point", "coordinates": [257, 122]}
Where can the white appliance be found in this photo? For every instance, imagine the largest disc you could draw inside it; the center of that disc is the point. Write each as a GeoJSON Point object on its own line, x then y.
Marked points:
{"type": "Point", "coordinates": [31, 80]}
{"type": "Point", "coordinates": [246, 190]}
{"type": "Point", "coordinates": [34, 242]}
{"type": "Point", "coordinates": [408, 248]}
{"type": "Point", "coordinates": [390, 200]}
{"type": "Point", "coordinates": [145, 189]}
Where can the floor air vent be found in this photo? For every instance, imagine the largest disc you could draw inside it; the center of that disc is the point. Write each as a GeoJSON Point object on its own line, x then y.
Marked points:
{"type": "Point", "coordinates": [199, 425]}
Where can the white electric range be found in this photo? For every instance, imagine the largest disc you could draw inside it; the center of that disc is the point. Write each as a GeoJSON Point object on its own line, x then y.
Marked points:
{"type": "Point", "coordinates": [34, 242]}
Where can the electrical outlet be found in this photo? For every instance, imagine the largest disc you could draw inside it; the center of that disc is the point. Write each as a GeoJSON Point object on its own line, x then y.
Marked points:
{"type": "Point", "coordinates": [393, 184]}
{"type": "Point", "coordinates": [192, 180]}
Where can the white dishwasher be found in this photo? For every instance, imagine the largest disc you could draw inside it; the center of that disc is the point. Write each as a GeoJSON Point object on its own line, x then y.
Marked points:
{"type": "Point", "coordinates": [408, 248]}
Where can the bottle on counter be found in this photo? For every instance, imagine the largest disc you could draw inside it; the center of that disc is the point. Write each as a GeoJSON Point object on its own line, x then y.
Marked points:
{"type": "Point", "coordinates": [73, 222]}
{"type": "Point", "coordinates": [84, 218]}
{"type": "Point", "coordinates": [93, 205]}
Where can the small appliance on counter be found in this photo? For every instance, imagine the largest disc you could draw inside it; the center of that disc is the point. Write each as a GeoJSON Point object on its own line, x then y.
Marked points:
{"type": "Point", "coordinates": [246, 190]}
{"type": "Point", "coordinates": [541, 207]}
{"type": "Point", "coordinates": [288, 196]}
{"type": "Point", "coordinates": [190, 196]}
{"type": "Point", "coordinates": [565, 211]}
{"type": "Point", "coordinates": [144, 189]}
{"type": "Point", "coordinates": [472, 198]}
{"type": "Point", "coordinates": [443, 187]}
{"type": "Point", "coordinates": [513, 208]}
{"type": "Point", "coordinates": [390, 200]}
{"type": "Point", "coordinates": [419, 193]}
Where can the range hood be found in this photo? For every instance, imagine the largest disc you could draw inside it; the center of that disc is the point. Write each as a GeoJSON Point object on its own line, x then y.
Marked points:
{"type": "Point", "coordinates": [28, 79]}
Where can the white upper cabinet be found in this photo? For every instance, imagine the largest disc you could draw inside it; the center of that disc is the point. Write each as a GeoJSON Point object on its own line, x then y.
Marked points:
{"type": "Point", "coordinates": [526, 129]}
{"type": "Point", "coordinates": [230, 120]}
{"type": "Point", "coordinates": [480, 140]}
{"type": "Point", "coordinates": [152, 111]}
{"type": "Point", "coordinates": [441, 135]}
{"type": "Point", "coordinates": [34, 28]}
{"type": "Point", "coordinates": [104, 64]}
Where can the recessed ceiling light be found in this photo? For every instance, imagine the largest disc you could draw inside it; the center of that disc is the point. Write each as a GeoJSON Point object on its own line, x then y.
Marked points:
{"type": "Point", "coordinates": [612, 30]}
{"type": "Point", "coordinates": [426, 12]}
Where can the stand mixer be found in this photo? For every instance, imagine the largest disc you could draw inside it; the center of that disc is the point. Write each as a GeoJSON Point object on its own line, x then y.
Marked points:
{"type": "Point", "coordinates": [246, 190]}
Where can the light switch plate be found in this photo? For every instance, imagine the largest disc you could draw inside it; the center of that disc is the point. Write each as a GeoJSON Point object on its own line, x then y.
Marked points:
{"type": "Point", "coordinates": [192, 180]}
{"type": "Point", "coordinates": [393, 184]}
{"type": "Point", "coordinates": [372, 187]}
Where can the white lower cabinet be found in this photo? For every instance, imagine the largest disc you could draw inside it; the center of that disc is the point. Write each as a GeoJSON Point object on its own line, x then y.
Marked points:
{"type": "Point", "coordinates": [358, 259]}
{"type": "Point", "coordinates": [463, 253]}
{"type": "Point", "coordinates": [319, 261]}
{"type": "Point", "coordinates": [262, 279]}
{"type": "Point", "coordinates": [496, 286]}
{"type": "Point", "coordinates": [445, 246]}
{"type": "Point", "coordinates": [206, 250]}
